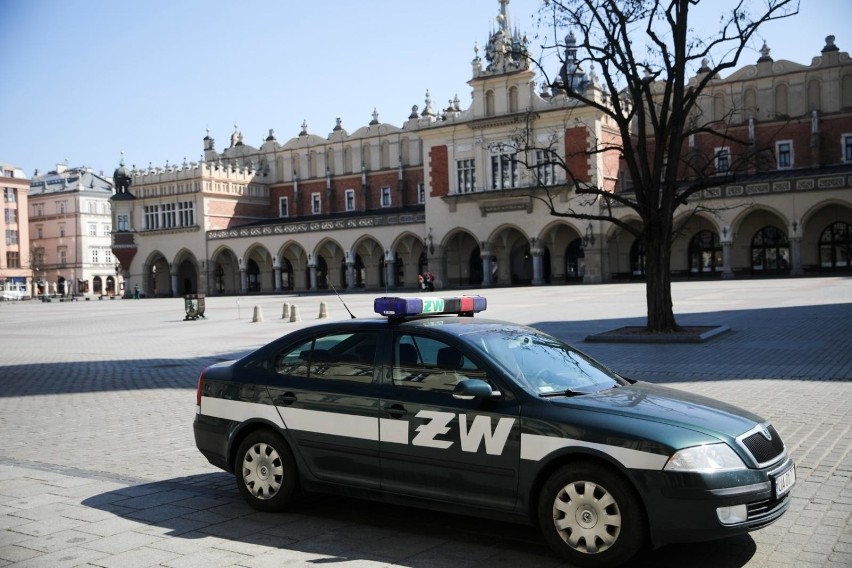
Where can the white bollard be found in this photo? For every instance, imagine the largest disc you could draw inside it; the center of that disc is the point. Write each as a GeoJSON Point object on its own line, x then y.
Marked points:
{"type": "Point", "coordinates": [286, 313]}
{"type": "Point", "coordinates": [294, 313]}
{"type": "Point", "coordinates": [258, 314]}
{"type": "Point", "coordinates": [323, 311]}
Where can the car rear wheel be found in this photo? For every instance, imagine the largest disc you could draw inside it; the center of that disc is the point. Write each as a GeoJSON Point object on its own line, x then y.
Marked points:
{"type": "Point", "coordinates": [590, 516]}
{"type": "Point", "coordinates": [266, 471]}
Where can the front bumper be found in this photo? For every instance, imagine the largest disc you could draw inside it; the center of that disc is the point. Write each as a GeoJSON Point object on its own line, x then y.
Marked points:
{"type": "Point", "coordinates": [682, 507]}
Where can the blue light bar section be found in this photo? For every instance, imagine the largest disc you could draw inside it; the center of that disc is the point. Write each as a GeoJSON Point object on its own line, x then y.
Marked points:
{"type": "Point", "coordinates": [402, 307]}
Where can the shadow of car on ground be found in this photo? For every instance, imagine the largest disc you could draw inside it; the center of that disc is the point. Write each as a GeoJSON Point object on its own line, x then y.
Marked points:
{"type": "Point", "coordinates": [342, 529]}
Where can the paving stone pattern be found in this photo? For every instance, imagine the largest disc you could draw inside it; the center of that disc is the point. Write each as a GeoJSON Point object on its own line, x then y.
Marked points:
{"type": "Point", "coordinates": [98, 466]}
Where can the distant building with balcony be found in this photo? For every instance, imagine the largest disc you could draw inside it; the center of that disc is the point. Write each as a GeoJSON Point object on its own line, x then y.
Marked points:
{"type": "Point", "coordinates": [15, 274]}
{"type": "Point", "coordinates": [70, 227]}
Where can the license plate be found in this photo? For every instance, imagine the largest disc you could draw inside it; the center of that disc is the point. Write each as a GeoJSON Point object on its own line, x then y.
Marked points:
{"type": "Point", "coordinates": [785, 481]}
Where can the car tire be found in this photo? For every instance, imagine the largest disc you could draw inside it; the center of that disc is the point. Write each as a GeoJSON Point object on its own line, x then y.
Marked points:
{"type": "Point", "coordinates": [590, 516]}
{"type": "Point", "coordinates": [266, 472]}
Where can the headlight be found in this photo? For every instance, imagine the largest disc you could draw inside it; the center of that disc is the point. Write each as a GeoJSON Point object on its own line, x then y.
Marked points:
{"type": "Point", "coordinates": [705, 459]}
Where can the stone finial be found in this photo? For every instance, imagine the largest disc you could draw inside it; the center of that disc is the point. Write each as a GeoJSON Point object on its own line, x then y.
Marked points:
{"type": "Point", "coordinates": [304, 131]}
{"type": "Point", "coordinates": [764, 53]}
{"type": "Point", "coordinates": [829, 44]}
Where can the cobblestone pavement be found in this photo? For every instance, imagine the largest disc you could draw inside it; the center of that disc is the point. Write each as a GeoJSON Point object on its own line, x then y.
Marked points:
{"type": "Point", "coordinates": [98, 466]}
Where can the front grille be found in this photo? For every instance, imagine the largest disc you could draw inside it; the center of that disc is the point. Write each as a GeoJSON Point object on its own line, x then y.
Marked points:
{"type": "Point", "coordinates": [763, 450]}
{"type": "Point", "coordinates": [762, 513]}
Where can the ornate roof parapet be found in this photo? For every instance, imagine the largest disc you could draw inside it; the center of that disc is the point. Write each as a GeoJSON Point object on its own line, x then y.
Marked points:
{"type": "Point", "coordinates": [505, 51]}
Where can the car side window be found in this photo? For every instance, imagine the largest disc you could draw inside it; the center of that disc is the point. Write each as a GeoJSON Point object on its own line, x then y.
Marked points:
{"type": "Point", "coordinates": [346, 356]}
{"type": "Point", "coordinates": [429, 364]}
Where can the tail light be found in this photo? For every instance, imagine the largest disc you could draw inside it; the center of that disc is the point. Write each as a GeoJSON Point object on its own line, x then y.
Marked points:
{"type": "Point", "coordinates": [200, 387]}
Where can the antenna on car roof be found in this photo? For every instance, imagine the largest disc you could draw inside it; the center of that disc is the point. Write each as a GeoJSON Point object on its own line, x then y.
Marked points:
{"type": "Point", "coordinates": [328, 280]}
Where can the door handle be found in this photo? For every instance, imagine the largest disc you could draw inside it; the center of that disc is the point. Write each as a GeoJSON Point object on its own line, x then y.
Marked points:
{"type": "Point", "coordinates": [396, 411]}
{"type": "Point", "coordinates": [285, 399]}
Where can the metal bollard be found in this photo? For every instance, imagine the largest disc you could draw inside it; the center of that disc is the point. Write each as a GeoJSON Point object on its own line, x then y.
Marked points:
{"type": "Point", "coordinates": [323, 313]}
{"type": "Point", "coordinates": [285, 314]}
{"type": "Point", "coordinates": [258, 314]}
{"type": "Point", "coordinates": [294, 313]}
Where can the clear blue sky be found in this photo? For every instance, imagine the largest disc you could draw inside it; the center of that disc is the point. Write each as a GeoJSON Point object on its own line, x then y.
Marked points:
{"type": "Point", "coordinates": [84, 80]}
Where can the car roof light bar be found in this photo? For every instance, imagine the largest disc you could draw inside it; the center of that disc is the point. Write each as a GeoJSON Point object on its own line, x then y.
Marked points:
{"type": "Point", "coordinates": [398, 307]}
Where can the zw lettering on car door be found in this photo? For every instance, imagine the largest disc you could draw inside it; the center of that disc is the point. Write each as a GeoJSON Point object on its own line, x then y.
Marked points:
{"type": "Point", "coordinates": [326, 394]}
{"type": "Point", "coordinates": [433, 445]}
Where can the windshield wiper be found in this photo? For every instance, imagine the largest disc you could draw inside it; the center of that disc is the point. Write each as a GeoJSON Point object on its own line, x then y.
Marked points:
{"type": "Point", "coordinates": [566, 392]}
{"type": "Point", "coordinates": [572, 392]}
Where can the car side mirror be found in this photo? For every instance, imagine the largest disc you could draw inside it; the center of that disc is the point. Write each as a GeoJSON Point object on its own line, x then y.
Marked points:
{"type": "Point", "coordinates": [470, 389]}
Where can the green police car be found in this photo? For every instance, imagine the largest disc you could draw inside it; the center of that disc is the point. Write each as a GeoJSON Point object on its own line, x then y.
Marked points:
{"type": "Point", "coordinates": [430, 406]}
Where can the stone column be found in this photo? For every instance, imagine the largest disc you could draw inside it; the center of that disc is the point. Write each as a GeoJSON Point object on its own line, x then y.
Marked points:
{"type": "Point", "coordinates": [796, 256]}
{"type": "Point", "coordinates": [173, 283]}
{"type": "Point", "coordinates": [536, 253]}
{"type": "Point", "coordinates": [277, 269]}
{"type": "Point", "coordinates": [312, 266]}
{"type": "Point", "coordinates": [390, 266]}
{"type": "Point", "coordinates": [727, 269]}
{"type": "Point", "coordinates": [243, 281]}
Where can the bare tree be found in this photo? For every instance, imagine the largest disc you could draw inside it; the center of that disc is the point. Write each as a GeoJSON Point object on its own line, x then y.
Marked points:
{"type": "Point", "coordinates": [649, 75]}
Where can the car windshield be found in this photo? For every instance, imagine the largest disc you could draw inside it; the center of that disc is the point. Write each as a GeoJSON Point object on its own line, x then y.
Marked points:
{"type": "Point", "coordinates": [541, 363]}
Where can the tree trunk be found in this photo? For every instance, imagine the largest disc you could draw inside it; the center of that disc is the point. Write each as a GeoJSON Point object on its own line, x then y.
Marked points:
{"type": "Point", "coordinates": [658, 279]}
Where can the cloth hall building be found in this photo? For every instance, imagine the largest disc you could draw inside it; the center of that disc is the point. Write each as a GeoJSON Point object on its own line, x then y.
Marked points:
{"type": "Point", "coordinates": [445, 192]}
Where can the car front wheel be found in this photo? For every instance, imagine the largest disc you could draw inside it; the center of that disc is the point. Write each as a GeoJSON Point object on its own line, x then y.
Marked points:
{"type": "Point", "coordinates": [590, 516]}
{"type": "Point", "coordinates": [266, 471]}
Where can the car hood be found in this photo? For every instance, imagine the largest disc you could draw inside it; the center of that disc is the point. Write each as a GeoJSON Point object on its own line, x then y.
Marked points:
{"type": "Point", "coordinates": [673, 407]}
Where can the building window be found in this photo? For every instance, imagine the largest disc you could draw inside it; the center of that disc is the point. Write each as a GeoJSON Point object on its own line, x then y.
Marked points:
{"type": "Point", "coordinates": [421, 192]}
{"type": "Point", "coordinates": [316, 203]}
{"type": "Point", "coordinates": [350, 200]}
{"type": "Point", "coordinates": [62, 254]}
{"type": "Point", "coordinates": [705, 252]}
{"type": "Point", "coordinates": [93, 230]}
{"type": "Point", "coordinates": [38, 210]}
{"type": "Point", "coordinates": [784, 154]}
{"type": "Point", "coordinates": [283, 207]}
{"type": "Point", "coordinates": [61, 230]}
{"type": "Point", "coordinates": [123, 223]}
{"type": "Point", "coordinates": [60, 206]}
{"type": "Point", "coordinates": [94, 256]}
{"type": "Point", "coordinates": [723, 160]}
{"type": "Point", "coordinates": [107, 230]}
{"type": "Point", "coordinates": [152, 217]}
{"type": "Point", "coordinates": [13, 260]}
{"type": "Point", "coordinates": [11, 215]}
{"type": "Point", "coordinates": [108, 256]}
{"type": "Point", "coordinates": [545, 167]}
{"type": "Point", "coordinates": [466, 174]}
{"type": "Point", "coordinates": [835, 246]}
{"type": "Point", "coordinates": [39, 232]}
{"type": "Point", "coordinates": [169, 217]}
{"type": "Point", "coordinates": [770, 250]}
{"type": "Point", "coordinates": [386, 197]}
{"type": "Point", "coordinates": [186, 213]}
{"type": "Point", "coordinates": [504, 171]}
{"type": "Point", "coordinates": [11, 237]}
{"type": "Point", "coordinates": [847, 148]}
{"type": "Point", "coordinates": [9, 194]}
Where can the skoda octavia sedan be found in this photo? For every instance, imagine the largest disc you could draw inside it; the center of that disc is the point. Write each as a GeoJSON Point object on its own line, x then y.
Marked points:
{"type": "Point", "coordinates": [430, 406]}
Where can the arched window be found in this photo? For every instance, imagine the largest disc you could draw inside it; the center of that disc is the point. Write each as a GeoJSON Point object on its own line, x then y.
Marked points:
{"type": "Point", "coordinates": [329, 161]}
{"type": "Point", "coordinates": [846, 88]}
{"type": "Point", "coordinates": [489, 103]}
{"type": "Point", "coordinates": [770, 250]}
{"type": "Point", "coordinates": [814, 100]}
{"type": "Point", "coordinates": [403, 152]}
{"type": "Point", "coordinates": [781, 101]}
{"type": "Point", "coordinates": [835, 246]}
{"type": "Point", "coordinates": [297, 166]}
{"type": "Point", "coordinates": [347, 159]}
{"type": "Point", "coordinates": [385, 156]}
{"type": "Point", "coordinates": [749, 104]}
{"type": "Point", "coordinates": [637, 258]}
{"type": "Point", "coordinates": [513, 99]}
{"type": "Point", "coordinates": [719, 106]}
{"type": "Point", "coordinates": [705, 253]}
